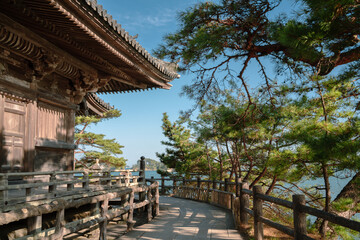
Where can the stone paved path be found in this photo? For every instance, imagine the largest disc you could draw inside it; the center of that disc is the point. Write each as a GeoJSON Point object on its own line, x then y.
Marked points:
{"type": "Point", "coordinates": [186, 219]}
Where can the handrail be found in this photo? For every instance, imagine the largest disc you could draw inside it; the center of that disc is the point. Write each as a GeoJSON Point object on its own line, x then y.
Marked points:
{"type": "Point", "coordinates": [25, 195]}
{"type": "Point", "coordinates": [243, 195]}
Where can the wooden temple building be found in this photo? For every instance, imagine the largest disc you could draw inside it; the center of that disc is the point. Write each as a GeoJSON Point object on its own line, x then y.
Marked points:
{"type": "Point", "coordinates": [54, 56]}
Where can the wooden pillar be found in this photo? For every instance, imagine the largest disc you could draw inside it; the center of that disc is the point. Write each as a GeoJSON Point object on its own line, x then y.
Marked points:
{"type": "Point", "coordinates": [149, 206]}
{"type": "Point", "coordinates": [244, 203]}
{"type": "Point", "coordinates": [299, 217]}
{"type": "Point", "coordinates": [130, 219]}
{"type": "Point", "coordinates": [103, 224]}
{"type": "Point", "coordinates": [34, 224]}
{"type": "Point", "coordinates": [184, 181]}
{"type": "Point", "coordinates": [60, 224]}
{"type": "Point", "coordinates": [258, 225]}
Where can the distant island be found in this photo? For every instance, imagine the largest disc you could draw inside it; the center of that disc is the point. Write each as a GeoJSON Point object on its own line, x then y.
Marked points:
{"type": "Point", "coordinates": [150, 165]}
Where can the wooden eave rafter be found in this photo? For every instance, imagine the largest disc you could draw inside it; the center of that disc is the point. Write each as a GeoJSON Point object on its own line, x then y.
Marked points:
{"type": "Point", "coordinates": [71, 25]}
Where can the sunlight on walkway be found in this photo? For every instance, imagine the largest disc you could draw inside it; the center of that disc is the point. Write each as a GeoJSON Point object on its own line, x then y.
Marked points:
{"type": "Point", "coordinates": [186, 219]}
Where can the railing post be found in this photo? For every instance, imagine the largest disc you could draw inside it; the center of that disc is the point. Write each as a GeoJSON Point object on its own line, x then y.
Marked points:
{"type": "Point", "coordinates": [70, 186]}
{"type": "Point", "coordinates": [184, 182]}
{"type": "Point", "coordinates": [103, 224]}
{"type": "Point", "coordinates": [214, 184]}
{"type": "Point", "coordinates": [34, 224]}
{"type": "Point", "coordinates": [52, 187]}
{"type": "Point", "coordinates": [86, 181]}
{"type": "Point", "coordinates": [299, 217]}
{"type": "Point", "coordinates": [60, 223]}
{"type": "Point", "coordinates": [174, 185]}
{"type": "Point", "coordinates": [4, 193]}
{"type": "Point", "coordinates": [142, 170]}
{"type": "Point", "coordinates": [130, 219]}
{"type": "Point", "coordinates": [127, 178]}
{"type": "Point", "coordinates": [226, 185]}
{"type": "Point", "coordinates": [238, 181]}
{"type": "Point", "coordinates": [149, 207]}
{"type": "Point", "coordinates": [162, 185]}
{"type": "Point", "coordinates": [258, 225]}
{"type": "Point", "coordinates": [198, 185]}
{"type": "Point", "coordinates": [108, 181]}
{"type": "Point", "coordinates": [244, 203]}
{"type": "Point", "coordinates": [157, 200]}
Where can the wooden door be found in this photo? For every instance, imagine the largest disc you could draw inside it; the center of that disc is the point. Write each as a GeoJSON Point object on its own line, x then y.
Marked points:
{"type": "Point", "coordinates": [13, 134]}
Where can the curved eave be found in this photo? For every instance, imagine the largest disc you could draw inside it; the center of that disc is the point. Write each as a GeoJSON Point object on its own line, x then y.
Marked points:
{"type": "Point", "coordinates": [85, 30]}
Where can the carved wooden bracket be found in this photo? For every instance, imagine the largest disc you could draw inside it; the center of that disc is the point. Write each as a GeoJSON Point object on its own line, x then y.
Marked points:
{"type": "Point", "coordinates": [87, 82]}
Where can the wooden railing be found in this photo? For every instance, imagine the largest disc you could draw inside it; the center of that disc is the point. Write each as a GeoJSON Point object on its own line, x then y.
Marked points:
{"type": "Point", "coordinates": [236, 196]}
{"type": "Point", "coordinates": [32, 195]}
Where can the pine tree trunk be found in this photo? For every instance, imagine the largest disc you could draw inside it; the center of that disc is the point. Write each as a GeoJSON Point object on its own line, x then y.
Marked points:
{"type": "Point", "coordinates": [351, 190]}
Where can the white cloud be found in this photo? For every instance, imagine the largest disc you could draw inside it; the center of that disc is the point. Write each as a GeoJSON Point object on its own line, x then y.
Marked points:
{"type": "Point", "coordinates": [146, 20]}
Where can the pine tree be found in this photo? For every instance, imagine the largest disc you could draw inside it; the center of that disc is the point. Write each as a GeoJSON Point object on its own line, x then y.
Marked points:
{"type": "Point", "coordinates": [93, 146]}
{"type": "Point", "coordinates": [182, 153]}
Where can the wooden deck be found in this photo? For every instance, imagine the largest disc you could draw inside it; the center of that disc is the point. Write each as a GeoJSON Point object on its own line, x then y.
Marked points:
{"type": "Point", "coordinates": [184, 219]}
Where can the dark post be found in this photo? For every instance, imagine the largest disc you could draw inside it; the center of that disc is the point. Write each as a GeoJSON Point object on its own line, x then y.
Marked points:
{"type": "Point", "coordinates": [142, 170]}
{"type": "Point", "coordinates": [238, 181]}
{"type": "Point", "coordinates": [244, 203]}
{"type": "Point", "coordinates": [214, 184]}
{"type": "Point", "coordinates": [184, 182]}
{"type": "Point", "coordinates": [198, 182]}
{"type": "Point", "coordinates": [4, 193]}
{"type": "Point", "coordinates": [52, 187]}
{"type": "Point", "coordinates": [86, 181]}
{"type": "Point", "coordinates": [198, 185]}
{"type": "Point", "coordinates": [174, 185]}
{"type": "Point", "coordinates": [162, 185]}
{"type": "Point", "coordinates": [108, 176]}
{"type": "Point", "coordinates": [299, 217]}
{"type": "Point", "coordinates": [142, 180]}
{"type": "Point", "coordinates": [226, 187]}
{"type": "Point", "coordinates": [70, 186]}
{"type": "Point", "coordinates": [258, 225]}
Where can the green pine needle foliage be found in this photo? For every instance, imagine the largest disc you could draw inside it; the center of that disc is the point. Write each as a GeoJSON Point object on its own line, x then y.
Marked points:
{"type": "Point", "coordinates": [93, 146]}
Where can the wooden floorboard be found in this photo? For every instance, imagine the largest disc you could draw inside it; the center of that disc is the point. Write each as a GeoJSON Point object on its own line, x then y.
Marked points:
{"type": "Point", "coordinates": [184, 219]}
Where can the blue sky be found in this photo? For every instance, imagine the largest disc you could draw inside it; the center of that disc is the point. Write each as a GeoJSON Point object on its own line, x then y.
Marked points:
{"type": "Point", "coordinates": [139, 127]}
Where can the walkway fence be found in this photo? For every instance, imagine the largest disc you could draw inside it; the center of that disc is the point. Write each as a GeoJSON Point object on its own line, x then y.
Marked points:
{"type": "Point", "coordinates": [245, 203]}
{"type": "Point", "coordinates": [50, 205]}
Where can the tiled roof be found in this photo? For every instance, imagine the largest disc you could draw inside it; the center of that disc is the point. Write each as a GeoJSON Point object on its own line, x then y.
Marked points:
{"type": "Point", "coordinates": [166, 68]}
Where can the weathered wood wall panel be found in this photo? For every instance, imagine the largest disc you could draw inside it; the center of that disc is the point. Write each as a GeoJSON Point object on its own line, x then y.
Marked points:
{"type": "Point", "coordinates": [13, 130]}
{"type": "Point", "coordinates": [52, 122]}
